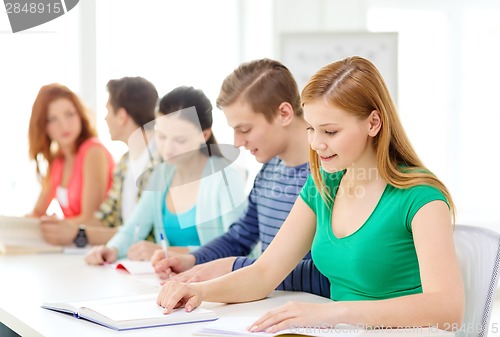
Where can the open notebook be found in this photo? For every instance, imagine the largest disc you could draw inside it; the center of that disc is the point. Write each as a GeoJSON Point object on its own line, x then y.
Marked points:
{"type": "Point", "coordinates": [20, 235]}
{"type": "Point", "coordinates": [134, 267]}
{"type": "Point", "coordinates": [129, 312]}
{"type": "Point", "coordinates": [237, 326]}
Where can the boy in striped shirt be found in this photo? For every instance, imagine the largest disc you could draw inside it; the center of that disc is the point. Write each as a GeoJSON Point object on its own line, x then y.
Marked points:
{"type": "Point", "coordinates": [261, 102]}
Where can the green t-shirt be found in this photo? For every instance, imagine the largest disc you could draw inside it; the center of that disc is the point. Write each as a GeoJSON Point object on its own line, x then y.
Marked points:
{"type": "Point", "coordinates": [379, 260]}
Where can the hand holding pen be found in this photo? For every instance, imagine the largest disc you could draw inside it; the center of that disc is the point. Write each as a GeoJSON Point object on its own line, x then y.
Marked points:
{"type": "Point", "coordinates": [163, 243]}
{"type": "Point", "coordinates": [168, 264]}
{"type": "Point", "coordinates": [161, 256]}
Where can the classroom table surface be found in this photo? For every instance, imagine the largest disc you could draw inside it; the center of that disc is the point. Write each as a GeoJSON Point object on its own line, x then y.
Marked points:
{"type": "Point", "coordinates": [29, 280]}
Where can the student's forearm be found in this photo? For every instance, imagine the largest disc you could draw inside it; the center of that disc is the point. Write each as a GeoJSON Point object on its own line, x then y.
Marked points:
{"type": "Point", "coordinates": [243, 285]}
{"type": "Point", "coordinates": [88, 210]}
{"type": "Point", "coordinates": [36, 213]}
{"type": "Point", "coordinates": [122, 240]}
{"type": "Point", "coordinates": [261, 278]}
{"type": "Point", "coordinates": [95, 183]}
{"type": "Point", "coordinates": [304, 277]}
{"type": "Point", "coordinates": [99, 235]}
{"type": "Point", "coordinates": [90, 222]}
{"type": "Point", "coordinates": [42, 203]}
{"type": "Point", "coordinates": [238, 286]}
{"type": "Point", "coordinates": [441, 310]}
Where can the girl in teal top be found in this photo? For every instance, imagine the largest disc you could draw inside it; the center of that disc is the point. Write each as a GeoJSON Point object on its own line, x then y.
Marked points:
{"type": "Point", "coordinates": [378, 223]}
{"type": "Point", "coordinates": [180, 235]}
{"type": "Point", "coordinates": [192, 197]}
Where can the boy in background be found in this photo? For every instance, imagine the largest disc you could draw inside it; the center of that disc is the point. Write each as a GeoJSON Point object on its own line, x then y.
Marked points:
{"type": "Point", "coordinates": [131, 107]}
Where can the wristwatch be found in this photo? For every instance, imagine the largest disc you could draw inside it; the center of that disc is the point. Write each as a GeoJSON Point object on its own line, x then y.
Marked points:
{"type": "Point", "coordinates": [81, 238]}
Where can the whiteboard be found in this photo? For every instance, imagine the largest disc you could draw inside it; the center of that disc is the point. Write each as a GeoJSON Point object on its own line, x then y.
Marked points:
{"type": "Point", "coordinates": [305, 53]}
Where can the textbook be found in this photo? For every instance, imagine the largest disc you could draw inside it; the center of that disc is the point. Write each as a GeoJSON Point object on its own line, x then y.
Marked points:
{"type": "Point", "coordinates": [21, 235]}
{"type": "Point", "coordinates": [237, 326]}
{"type": "Point", "coordinates": [129, 312]}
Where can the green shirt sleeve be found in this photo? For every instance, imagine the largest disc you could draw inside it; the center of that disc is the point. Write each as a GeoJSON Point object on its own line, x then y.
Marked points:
{"type": "Point", "coordinates": [417, 197]}
{"type": "Point", "coordinates": [309, 192]}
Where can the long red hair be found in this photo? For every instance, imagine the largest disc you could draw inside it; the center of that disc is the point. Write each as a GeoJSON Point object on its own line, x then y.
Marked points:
{"type": "Point", "coordinates": [40, 145]}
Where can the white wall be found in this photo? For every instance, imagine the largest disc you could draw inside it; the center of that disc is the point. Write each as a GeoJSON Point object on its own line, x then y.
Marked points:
{"type": "Point", "coordinates": [447, 83]}
{"type": "Point", "coordinates": [28, 60]}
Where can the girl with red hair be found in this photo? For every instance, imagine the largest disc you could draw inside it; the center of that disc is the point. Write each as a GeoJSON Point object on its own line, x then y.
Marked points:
{"type": "Point", "coordinates": [78, 168]}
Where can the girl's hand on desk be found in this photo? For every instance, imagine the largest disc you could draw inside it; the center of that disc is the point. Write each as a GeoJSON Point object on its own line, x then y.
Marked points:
{"type": "Point", "coordinates": [56, 231]}
{"type": "Point", "coordinates": [175, 263]}
{"type": "Point", "coordinates": [142, 251]}
{"type": "Point", "coordinates": [206, 271]}
{"type": "Point", "coordinates": [293, 315]}
{"type": "Point", "coordinates": [99, 255]}
{"type": "Point", "coordinates": [175, 295]}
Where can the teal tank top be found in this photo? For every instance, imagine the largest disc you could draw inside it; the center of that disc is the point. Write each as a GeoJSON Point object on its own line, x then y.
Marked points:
{"type": "Point", "coordinates": [180, 229]}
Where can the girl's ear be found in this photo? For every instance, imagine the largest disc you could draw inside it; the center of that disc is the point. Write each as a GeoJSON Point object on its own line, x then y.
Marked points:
{"type": "Point", "coordinates": [374, 123]}
{"type": "Point", "coordinates": [207, 133]}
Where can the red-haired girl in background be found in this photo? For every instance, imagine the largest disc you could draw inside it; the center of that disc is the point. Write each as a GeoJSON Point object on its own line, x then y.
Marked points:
{"type": "Point", "coordinates": [79, 168]}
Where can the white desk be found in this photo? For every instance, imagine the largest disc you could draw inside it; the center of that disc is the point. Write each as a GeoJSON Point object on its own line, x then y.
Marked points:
{"type": "Point", "coordinates": [28, 280]}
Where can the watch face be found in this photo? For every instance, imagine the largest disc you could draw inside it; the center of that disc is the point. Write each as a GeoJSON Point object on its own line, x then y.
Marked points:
{"type": "Point", "coordinates": [81, 239]}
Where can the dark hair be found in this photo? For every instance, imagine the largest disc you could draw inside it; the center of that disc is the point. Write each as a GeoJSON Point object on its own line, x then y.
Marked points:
{"type": "Point", "coordinates": [264, 84]}
{"type": "Point", "coordinates": [136, 95]}
{"type": "Point", "coordinates": [185, 97]}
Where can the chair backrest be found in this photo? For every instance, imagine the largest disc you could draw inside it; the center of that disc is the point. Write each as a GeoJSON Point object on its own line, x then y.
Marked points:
{"type": "Point", "coordinates": [478, 251]}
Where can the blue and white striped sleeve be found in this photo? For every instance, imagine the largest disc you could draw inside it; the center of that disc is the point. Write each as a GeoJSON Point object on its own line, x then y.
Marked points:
{"type": "Point", "coordinates": [305, 277]}
{"type": "Point", "coordinates": [239, 240]}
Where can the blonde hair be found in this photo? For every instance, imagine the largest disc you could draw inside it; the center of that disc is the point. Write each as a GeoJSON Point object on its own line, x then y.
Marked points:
{"type": "Point", "coordinates": [357, 87]}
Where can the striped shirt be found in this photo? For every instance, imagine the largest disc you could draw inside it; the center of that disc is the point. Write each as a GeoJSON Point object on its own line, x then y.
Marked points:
{"type": "Point", "coordinates": [274, 192]}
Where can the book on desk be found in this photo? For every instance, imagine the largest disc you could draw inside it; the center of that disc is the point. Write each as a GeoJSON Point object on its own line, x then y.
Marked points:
{"type": "Point", "coordinates": [129, 312]}
{"type": "Point", "coordinates": [22, 235]}
{"type": "Point", "coordinates": [238, 325]}
{"type": "Point", "coordinates": [134, 267]}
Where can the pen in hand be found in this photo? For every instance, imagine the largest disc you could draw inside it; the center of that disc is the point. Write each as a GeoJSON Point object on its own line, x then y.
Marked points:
{"type": "Point", "coordinates": [163, 243]}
